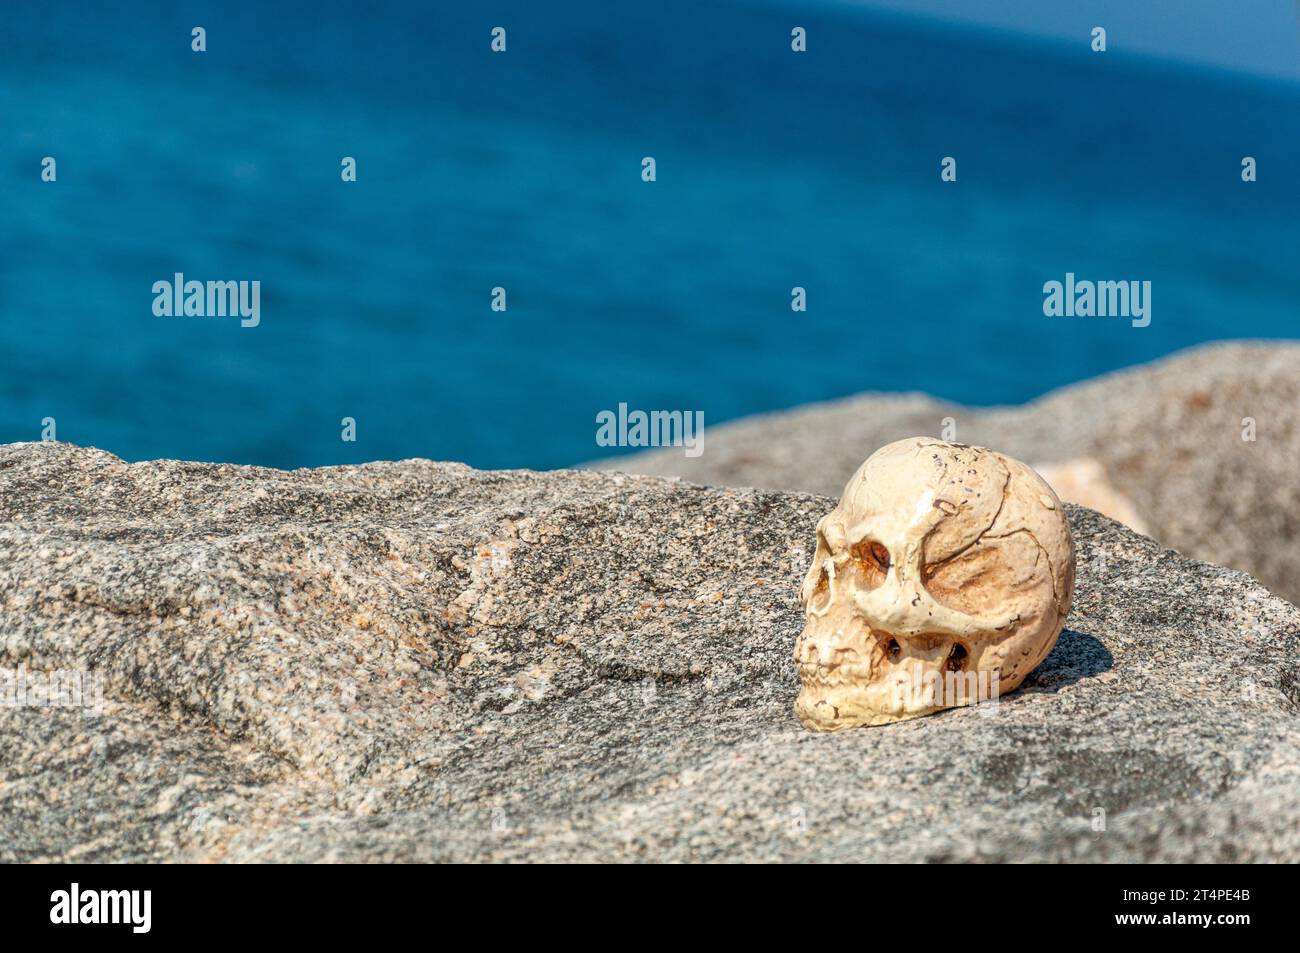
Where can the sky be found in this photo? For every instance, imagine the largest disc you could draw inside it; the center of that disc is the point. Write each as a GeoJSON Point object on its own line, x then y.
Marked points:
{"type": "Point", "coordinates": [1261, 37]}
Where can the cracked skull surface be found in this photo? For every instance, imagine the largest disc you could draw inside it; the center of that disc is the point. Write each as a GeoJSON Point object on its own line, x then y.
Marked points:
{"type": "Point", "coordinates": [942, 578]}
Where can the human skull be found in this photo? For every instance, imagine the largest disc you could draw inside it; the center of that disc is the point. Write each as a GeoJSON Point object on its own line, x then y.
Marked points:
{"type": "Point", "coordinates": [942, 578]}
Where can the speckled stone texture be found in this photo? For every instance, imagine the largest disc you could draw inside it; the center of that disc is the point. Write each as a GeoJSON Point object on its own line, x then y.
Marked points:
{"type": "Point", "coordinates": [1168, 435]}
{"type": "Point", "coordinates": [420, 661]}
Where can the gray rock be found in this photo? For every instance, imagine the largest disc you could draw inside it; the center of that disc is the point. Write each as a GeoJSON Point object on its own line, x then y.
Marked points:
{"type": "Point", "coordinates": [420, 661]}
{"type": "Point", "coordinates": [1168, 434]}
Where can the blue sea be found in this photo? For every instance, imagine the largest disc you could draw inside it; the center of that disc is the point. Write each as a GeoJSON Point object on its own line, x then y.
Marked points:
{"type": "Point", "coordinates": [522, 170]}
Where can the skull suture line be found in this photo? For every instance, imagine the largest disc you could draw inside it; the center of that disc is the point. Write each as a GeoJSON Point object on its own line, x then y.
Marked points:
{"type": "Point", "coordinates": [942, 578]}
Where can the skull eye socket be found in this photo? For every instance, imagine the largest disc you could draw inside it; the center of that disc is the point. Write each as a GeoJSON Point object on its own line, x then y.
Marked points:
{"type": "Point", "coordinates": [822, 590]}
{"type": "Point", "coordinates": [816, 592]}
{"type": "Point", "coordinates": [871, 559]}
{"type": "Point", "coordinates": [823, 582]}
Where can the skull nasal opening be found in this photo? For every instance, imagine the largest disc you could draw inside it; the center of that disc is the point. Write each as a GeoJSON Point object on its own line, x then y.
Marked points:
{"type": "Point", "coordinates": [957, 658]}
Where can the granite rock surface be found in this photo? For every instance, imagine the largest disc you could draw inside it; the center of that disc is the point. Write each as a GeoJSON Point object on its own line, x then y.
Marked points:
{"type": "Point", "coordinates": [419, 661]}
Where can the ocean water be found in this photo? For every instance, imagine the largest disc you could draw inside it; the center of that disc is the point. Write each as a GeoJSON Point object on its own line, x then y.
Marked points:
{"type": "Point", "coordinates": [522, 170]}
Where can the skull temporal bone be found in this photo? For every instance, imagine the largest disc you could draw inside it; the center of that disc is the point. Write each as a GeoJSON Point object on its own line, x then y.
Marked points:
{"type": "Point", "coordinates": [943, 567]}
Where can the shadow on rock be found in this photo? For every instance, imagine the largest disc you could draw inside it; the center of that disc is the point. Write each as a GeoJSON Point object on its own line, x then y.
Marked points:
{"type": "Point", "coordinates": [1076, 656]}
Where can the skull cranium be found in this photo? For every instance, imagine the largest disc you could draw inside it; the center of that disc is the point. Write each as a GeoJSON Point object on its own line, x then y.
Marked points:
{"type": "Point", "coordinates": [942, 578]}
